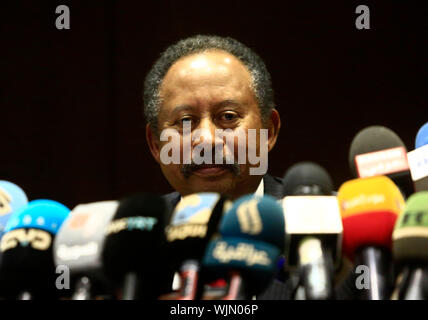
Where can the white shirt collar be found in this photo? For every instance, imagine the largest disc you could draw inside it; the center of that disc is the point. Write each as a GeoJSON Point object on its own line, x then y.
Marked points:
{"type": "Point", "coordinates": [260, 189]}
{"type": "Point", "coordinates": [259, 192]}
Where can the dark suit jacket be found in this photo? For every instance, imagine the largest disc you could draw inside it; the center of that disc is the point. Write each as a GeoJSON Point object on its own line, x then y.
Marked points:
{"type": "Point", "coordinates": [272, 186]}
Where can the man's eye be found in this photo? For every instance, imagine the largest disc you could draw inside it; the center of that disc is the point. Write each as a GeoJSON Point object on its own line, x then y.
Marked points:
{"type": "Point", "coordinates": [229, 116]}
{"type": "Point", "coordinates": [185, 120]}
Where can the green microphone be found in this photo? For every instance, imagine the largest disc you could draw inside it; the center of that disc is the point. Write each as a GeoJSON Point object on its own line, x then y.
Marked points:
{"type": "Point", "coordinates": [410, 240]}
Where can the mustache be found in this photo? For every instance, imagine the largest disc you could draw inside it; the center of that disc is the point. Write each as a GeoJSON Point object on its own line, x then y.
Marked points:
{"type": "Point", "coordinates": [187, 169]}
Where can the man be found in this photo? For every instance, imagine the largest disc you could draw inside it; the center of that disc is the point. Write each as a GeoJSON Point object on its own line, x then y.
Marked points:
{"type": "Point", "coordinates": [211, 83]}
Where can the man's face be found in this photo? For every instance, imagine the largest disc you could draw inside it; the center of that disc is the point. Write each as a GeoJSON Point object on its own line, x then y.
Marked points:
{"type": "Point", "coordinates": [210, 91]}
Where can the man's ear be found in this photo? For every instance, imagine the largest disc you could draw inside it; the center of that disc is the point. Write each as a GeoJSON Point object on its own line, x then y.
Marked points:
{"type": "Point", "coordinates": [274, 125]}
{"type": "Point", "coordinates": [153, 142]}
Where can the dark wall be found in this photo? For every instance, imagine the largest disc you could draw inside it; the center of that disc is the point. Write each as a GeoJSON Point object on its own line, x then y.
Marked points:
{"type": "Point", "coordinates": [71, 100]}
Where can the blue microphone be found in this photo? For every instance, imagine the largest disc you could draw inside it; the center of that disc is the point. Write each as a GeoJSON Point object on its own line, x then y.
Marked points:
{"type": "Point", "coordinates": [422, 136]}
{"type": "Point", "coordinates": [418, 160]}
{"type": "Point", "coordinates": [252, 237]}
{"type": "Point", "coordinates": [27, 264]}
{"type": "Point", "coordinates": [248, 264]}
{"type": "Point", "coordinates": [12, 197]}
{"type": "Point", "coordinates": [255, 218]}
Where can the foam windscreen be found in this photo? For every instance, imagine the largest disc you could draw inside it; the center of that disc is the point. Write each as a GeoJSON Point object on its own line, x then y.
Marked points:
{"type": "Point", "coordinates": [135, 243]}
{"type": "Point", "coordinates": [410, 237]}
{"type": "Point", "coordinates": [12, 198]}
{"type": "Point", "coordinates": [27, 259]}
{"type": "Point", "coordinates": [371, 139]}
{"type": "Point", "coordinates": [256, 218]}
{"type": "Point", "coordinates": [369, 210]}
{"type": "Point", "coordinates": [309, 175]}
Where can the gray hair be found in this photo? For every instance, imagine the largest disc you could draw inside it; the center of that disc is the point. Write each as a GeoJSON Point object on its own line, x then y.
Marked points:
{"type": "Point", "coordinates": [261, 79]}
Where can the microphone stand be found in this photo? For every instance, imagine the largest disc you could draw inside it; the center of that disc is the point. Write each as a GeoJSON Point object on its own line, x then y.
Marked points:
{"type": "Point", "coordinates": [414, 288]}
{"type": "Point", "coordinates": [189, 279]}
{"type": "Point", "coordinates": [236, 289]}
{"type": "Point", "coordinates": [130, 286]}
{"type": "Point", "coordinates": [378, 260]}
{"type": "Point", "coordinates": [25, 295]}
{"type": "Point", "coordinates": [83, 289]}
{"type": "Point", "coordinates": [316, 268]}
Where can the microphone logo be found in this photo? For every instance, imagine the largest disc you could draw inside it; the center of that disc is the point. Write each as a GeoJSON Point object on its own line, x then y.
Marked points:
{"type": "Point", "coordinates": [363, 200]}
{"type": "Point", "coordinates": [131, 223]}
{"type": "Point", "coordinates": [242, 252]}
{"type": "Point", "coordinates": [5, 200]}
{"type": "Point", "coordinates": [249, 217]}
{"type": "Point", "coordinates": [182, 232]}
{"type": "Point", "coordinates": [39, 239]}
{"type": "Point", "coordinates": [418, 162]}
{"type": "Point", "coordinates": [78, 220]}
{"type": "Point", "coordinates": [417, 217]}
{"type": "Point", "coordinates": [382, 162]}
{"type": "Point", "coordinates": [194, 208]}
{"type": "Point", "coordinates": [412, 224]}
{"type": "Point", "coordinates": [75, 252]}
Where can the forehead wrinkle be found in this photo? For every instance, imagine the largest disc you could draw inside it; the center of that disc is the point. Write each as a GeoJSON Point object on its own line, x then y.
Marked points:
{"type": "Point", "coordinates": [208, 98]}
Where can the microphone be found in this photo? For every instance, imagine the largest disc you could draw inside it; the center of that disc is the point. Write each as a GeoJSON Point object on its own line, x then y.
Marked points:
{"type": "Point", "coordinates": [377, 150]}
{"type": "Point", "coordinates": [369, 209]}
{"type": "Point", "coordinates": [78, 246]}
{"type": "Point", "coordinates": [193, 223]}
{"type": "Point", "coordinates": [418, 160]}
{"type": "Point", "coordinates": [410, 239]}
{"type": "Point", "coordinates": [307, 178]}
{"type": "Point", "coordinates": [134, 254]}
{"type": "Point", "coordinates": [314, 237]}
{"type": "Point", "coordinates": [27, 265]}
{"type": "Point", "coordinates": [252, 237]}
{"type": "Point", "coordinates": [310, 179]}
{"type": "Point", "coordinates": [12, 198]}
{"type": "Point", "coordinates": [422, 136]}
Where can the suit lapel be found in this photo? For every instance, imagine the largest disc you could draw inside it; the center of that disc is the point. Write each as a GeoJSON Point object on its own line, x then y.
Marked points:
{"type": "Point", "coordinates": [273, 186]}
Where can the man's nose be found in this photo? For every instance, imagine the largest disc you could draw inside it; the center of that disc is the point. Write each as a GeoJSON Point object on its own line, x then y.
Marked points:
{"type": "Point", "coordinates": [206, 133]}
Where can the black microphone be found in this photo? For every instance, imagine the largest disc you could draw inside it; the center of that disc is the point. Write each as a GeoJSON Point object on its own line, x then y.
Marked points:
{"type": "Point", "coordinates": [377, 150]}
{"type": "Point", "coordinates": [78, 246]}
{"type": "Point", "coordinates": [314, 238]}
{"type": "Point", "coordinates": [314, 255]}
{"type": "Point", "coordinates": [194, 222]}
{"type": "Point", "coordinates": [307, 178]}
{"type": "Point", "coordinates": [134, 253]}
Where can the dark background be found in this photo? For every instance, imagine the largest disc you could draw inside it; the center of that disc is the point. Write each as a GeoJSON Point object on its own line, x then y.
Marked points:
{"type": "Point", "coordinates": [72, 128]}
